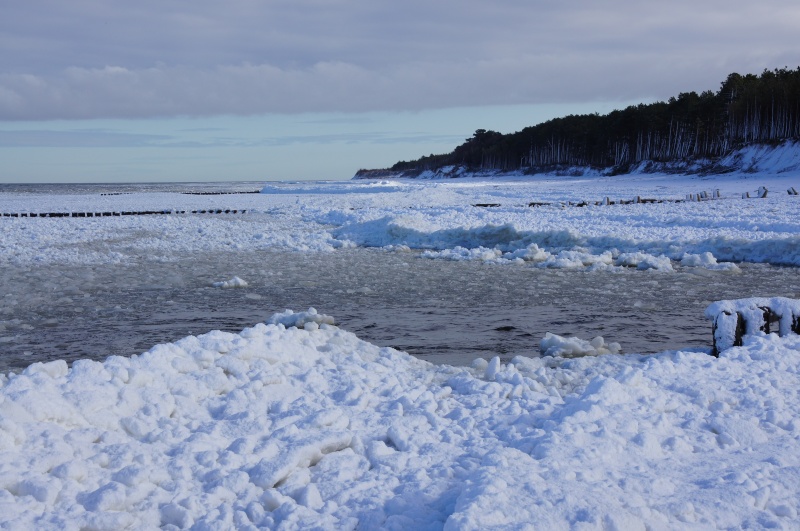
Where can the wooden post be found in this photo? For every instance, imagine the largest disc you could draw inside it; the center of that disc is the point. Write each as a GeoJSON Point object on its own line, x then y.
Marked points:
{"type": "Point", "coordinates": [772, 321]}
{"type": "Point", "coordinates": [739, 330]}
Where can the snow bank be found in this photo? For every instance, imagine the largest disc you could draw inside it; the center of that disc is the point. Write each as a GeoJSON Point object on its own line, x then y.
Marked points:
{"type": "Point", "coordinates": [707, 260]}
{"type": "Point", "coordinates": [435, 216]}
{"type": "Point", "coordinates": [783, 158]}
{"type": "Point", "coordinates": [650, 235]}
{"type": "Point", "coordinates": [312, 428]}
{"type": "Point", "coordinates": [580, 258]}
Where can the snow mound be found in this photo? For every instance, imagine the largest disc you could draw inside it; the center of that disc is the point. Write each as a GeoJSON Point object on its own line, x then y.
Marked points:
{"type": "Point", "coordinates": [285, 428]}
{"type": "Point", "coordinates": [307, 319]}
{"type": "Point", "coordinates": [707, 260]}
{"type": "Point", "coordinates": [573, 347]}
{"type": "Point", "coordinates": [644, 261]}
{"type": "Point", "coordinates": [531, 253]}
{"type": "Point", "coordinates": [235, 282]}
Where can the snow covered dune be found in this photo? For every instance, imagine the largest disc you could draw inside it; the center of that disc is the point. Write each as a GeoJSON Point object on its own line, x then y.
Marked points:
{"type": "Point", "coordinates": [312, 427]}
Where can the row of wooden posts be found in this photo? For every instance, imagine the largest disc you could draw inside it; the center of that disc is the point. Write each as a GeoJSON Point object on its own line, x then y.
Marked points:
{"type": "Point", "coordinates": [733, 320]}
{"type": "Point", "coordinates": [700, 196]}
{"type": "Point", "coordinates": [120, 213]}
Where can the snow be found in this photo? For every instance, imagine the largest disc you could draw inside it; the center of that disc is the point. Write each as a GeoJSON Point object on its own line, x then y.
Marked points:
{"type": "Point", "coordinates": [312, 427]}
{"type": "Point", "coordinates": [726, 314]}
{"type": "Point", "coordinates": [707, 261]}
{"type": "Point", "coordinates": [430, 216]}
{"type": "Point", "coordinates": [573, 347]}
{"type": "Point", "coordinates": [295, 423]}
{"type": "Point", "coordinates": [783, 158]}
{"type": "Point", "coordinates": [645, 261]}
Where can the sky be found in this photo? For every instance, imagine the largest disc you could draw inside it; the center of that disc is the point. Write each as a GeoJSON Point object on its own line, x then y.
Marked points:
{"type": "Point", "coordinates": [202, 90]}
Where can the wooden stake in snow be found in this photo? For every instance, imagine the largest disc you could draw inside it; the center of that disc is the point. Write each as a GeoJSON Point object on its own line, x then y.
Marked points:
{"type": "Point", "coordinates": [734, 319]}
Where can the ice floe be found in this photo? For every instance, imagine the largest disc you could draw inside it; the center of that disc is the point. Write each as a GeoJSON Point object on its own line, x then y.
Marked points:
{"type": "Point", "coordinates": [234, 282]}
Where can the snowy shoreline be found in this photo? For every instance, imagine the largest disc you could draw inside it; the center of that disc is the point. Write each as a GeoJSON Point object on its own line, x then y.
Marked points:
{"type": "Point", "coordinates": [280, 426]}
{"type": "Point", "coordinates": [437, 217]}
{"type": "Point", "coordinates": [310, 426]}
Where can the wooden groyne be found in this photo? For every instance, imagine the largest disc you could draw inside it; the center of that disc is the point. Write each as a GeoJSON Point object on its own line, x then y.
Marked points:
{"type": "Point", "coordinates": [119, 213]}
{"type": "Point", "coordinates": [733, 320]}
{"type": "Point", "coordinates": [221, 193]}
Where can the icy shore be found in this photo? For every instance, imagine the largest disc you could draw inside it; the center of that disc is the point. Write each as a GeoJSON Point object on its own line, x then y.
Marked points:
{"type": "Point", "coordinates": [286, 427]}
{"type": "Point", "coordinates": [312, 427]}
{"type": "Point", "coordinates": [440, 217]}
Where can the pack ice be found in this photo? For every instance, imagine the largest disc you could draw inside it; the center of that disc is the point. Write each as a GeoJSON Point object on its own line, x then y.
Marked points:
{"type": "Point", "coordinates": [298, 424]}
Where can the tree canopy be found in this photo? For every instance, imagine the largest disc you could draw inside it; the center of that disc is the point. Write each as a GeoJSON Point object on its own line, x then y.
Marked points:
{"type": "Point", "coordinates": [746, 109]}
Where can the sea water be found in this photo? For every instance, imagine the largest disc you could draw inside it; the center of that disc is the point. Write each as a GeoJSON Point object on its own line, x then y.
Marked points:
{"type": "Point", "coordinates": [442, 311]}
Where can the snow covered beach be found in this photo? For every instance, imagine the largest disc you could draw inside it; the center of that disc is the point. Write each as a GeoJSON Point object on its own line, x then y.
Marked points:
{"type": "Point", "coordinates": [311, 427]}
{"type": "Point", "coordinates": [294, 427]}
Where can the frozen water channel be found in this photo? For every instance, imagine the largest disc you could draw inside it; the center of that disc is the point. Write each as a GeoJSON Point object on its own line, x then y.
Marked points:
{"type": "Point", "coordinates": [442, 311]}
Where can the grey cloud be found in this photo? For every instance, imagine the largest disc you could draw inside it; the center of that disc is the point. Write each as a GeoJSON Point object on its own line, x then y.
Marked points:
{"type": "Point", "coordinates": [84, 59]}
{"type": "Point", "coordinates": [376, 137]}
{"type": "Point", "coordinates": [117, 139]}
{"type": "Point", "coordinates": [91, 138]}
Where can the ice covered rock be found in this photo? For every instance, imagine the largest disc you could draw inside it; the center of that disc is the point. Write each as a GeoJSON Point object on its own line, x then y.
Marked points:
{"type": "Point", "coordinates": [459, 253]}
{"type": "Point", "coordinates": [235, 282]}
{"type": "Point", "coordinates": [576, 258]}
{"type": "Point", "coordinates": [289, 318]}
{"type": "Point", "coordinates": [707, 260]}
{"type": "Point", "coordinates": [642, 261]}
{"type": "Point", "coordinates": [573, 347]}
{"type": "Point", "coordinates": [531, 253]}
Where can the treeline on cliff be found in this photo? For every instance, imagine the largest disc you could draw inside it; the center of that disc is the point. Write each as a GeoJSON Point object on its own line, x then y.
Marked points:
{"type": "Point", "coordinates": [746, 109]}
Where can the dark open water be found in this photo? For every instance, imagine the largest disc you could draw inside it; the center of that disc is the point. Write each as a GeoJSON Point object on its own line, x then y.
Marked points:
{"type": "Point", "coordinates": [445, 312]}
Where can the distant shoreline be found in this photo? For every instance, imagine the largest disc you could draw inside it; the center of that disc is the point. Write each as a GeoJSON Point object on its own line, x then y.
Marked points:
{"type": "Point", "coordinates": [751, 158]}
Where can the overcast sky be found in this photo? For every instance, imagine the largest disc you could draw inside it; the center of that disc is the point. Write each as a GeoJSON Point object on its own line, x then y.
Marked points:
{"type": "Point", "coordinates": [128, 90]}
